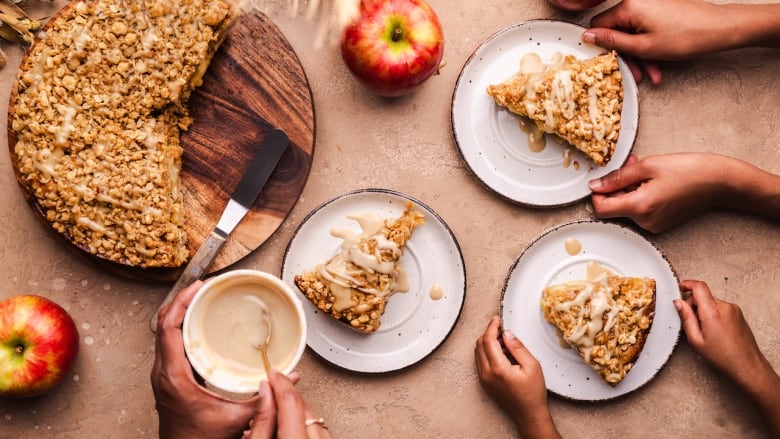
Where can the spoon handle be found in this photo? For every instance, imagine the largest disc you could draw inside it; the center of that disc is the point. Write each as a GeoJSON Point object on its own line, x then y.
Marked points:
{"type": "Point", "coordinates": [266, 364]}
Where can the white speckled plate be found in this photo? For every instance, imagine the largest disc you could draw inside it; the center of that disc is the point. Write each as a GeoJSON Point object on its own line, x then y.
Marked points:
{"type": "Point", "coordinates": [546, 262]}
{"type": "Point", "coordinates": [489, 137]}
{"type": "Point", "coordinates": [413, 324]}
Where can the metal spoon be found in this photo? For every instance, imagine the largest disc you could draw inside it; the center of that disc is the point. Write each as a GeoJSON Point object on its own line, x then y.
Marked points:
{"type": "Point", "coordinates": [264, 346]}
{"type": "Point", "coordinates": [260, 335]}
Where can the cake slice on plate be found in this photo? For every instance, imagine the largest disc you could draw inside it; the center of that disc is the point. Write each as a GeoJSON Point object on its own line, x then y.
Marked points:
{"type": "Point", "coordinates": [355, 284]}
{"type": "Point", "coordinates": [577, 100]}
{"type": "Point", "coordinates": [607, 321]}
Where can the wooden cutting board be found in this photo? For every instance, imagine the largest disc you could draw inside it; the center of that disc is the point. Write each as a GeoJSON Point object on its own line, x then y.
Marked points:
{"type": "Point", "coordinates": [254, 83]}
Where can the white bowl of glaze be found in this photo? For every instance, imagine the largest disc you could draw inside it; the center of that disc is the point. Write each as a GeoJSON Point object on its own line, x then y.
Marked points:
{"type": "Point", "coordinates": [221, 320]}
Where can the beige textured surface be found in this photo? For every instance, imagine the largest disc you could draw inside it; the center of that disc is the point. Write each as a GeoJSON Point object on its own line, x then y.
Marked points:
{"type": "Point", "coordinates": [726, 103]}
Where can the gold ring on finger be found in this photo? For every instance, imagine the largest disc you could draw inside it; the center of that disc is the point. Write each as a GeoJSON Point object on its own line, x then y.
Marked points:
{"type": "Point", "coordinates": [317, 421]}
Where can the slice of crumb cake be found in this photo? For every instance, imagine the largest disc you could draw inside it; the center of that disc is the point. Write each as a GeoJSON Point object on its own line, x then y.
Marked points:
{"type": "Point", "coordinates": [607, 321]}
{"type": "Point", "coordinates": [577, 100]}
{"type": "Point", "coordinates": [356, 283]}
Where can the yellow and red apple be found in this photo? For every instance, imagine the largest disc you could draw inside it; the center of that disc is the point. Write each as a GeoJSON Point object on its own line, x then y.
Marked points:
{"type": "Point", "coordinates": [39, 344]}
{"type": "Point", "coordinates": [393, 46]}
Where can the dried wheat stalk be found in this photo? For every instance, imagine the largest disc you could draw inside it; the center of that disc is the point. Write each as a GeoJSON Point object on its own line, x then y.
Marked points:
{"type": "Point", "coordinates": [331, 16]}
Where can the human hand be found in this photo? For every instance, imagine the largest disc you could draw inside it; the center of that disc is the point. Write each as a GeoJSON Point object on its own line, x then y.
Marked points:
{"type": "Point", "coordinates": [661, 191]}
{"type": "Point", "coordinates": [518, 389]}
{"type": "Point", "coordinates": [185, 408]}
{"type": "Point", "coordinates": [282, 412]}
{"type": "Point", "coordinates": [719, 332]}
{"type": "Point", "coordinates": [650, 31]}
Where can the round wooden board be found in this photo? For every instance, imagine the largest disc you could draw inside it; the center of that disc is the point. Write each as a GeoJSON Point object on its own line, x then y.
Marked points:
{"type": "Point", "coordinates": [254, 83]}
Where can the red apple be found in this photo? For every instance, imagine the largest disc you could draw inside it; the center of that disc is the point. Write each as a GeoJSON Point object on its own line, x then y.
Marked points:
{"type": "Point", "coordinates": [39, 343]}
{"type": "Point", "coordinates": [575, 5]}
{"type": "Point", "coordinates": [393, 46]}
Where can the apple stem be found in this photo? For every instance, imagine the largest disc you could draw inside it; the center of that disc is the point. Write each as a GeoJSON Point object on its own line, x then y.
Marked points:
{"type": "Point", "coordinates": [397, 34]}
{"type": "Point", "coordinates": [19, 349]}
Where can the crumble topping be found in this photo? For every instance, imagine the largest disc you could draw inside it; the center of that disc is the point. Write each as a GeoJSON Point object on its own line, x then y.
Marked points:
{"type": "Point", "coordinates": [356, 283]}
{"type": "Point", "coordinates": [96, 111]}
{"type": "Point", "coordinates": [606, 320]}
{"type": "Point", "coordinates": [578, 100]}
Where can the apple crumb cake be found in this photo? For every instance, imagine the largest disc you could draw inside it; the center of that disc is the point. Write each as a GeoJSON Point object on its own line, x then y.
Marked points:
{"type": "Point", "coordinates": [607, 321]}
{"type": "Point", "coordinates": [95, 116]}
{"type": "Point", "coordinates": [577, 100]}
{"type": "Point", "coordinates": [356, 283]}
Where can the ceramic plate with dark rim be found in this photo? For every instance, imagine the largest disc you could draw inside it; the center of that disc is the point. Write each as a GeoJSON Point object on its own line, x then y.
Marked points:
{"type": "Point", "coordinates": [546, 261]}
{"type": "Point", "coordinates": [490, 139]}
{"type": "Point", "coordinates": [414, 323]}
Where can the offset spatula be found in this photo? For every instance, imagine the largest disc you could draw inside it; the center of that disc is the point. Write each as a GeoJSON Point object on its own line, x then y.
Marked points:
{"type": "Point", "coordinates": [241, 201]}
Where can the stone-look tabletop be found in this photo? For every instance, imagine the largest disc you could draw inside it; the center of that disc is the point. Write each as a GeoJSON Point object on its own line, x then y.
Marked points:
{"type": "Point", "coordinates": [727, 103]}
